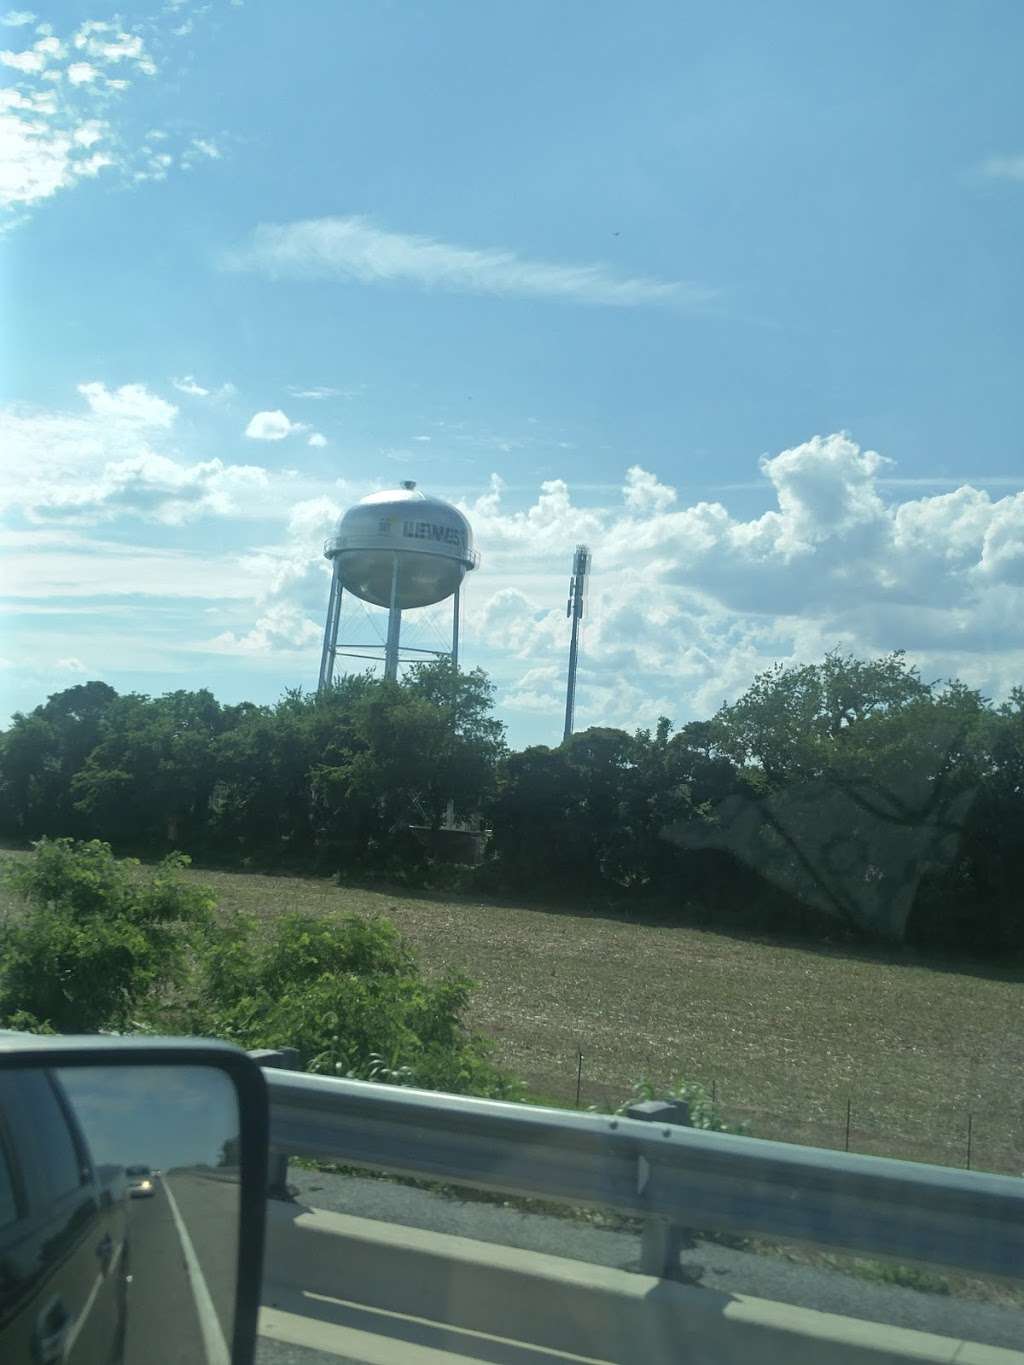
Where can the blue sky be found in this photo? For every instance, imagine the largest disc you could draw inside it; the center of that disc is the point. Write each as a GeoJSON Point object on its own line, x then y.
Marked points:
{"type": "Point", "coordinates": [732, 292]}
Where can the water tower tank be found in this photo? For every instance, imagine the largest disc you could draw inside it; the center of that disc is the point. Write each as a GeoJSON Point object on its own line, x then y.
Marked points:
{"type": "Point", "coordinates": [430, 541]}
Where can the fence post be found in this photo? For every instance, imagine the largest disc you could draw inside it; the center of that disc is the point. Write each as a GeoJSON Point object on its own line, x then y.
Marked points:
{"type": "Point", "coordinates": [286, 1059]}
{"type": "Point", "coordinates": [662, 1240]}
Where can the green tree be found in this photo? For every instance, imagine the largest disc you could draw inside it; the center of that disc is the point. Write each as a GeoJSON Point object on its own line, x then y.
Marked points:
{"type": "Point", "coordinates": [39, 756]}
{"type": "Point", "coordinates": [149, 780]}
{"type": "Point", "coordinates": [860, 779]}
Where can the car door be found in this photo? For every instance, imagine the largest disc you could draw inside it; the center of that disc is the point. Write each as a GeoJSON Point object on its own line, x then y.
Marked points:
{"type": "Point", "coordinates": [58, 1300]}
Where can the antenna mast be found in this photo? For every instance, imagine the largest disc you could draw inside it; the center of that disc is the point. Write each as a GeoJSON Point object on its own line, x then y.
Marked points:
{"type": "Point", "coordinates": [574, 610]}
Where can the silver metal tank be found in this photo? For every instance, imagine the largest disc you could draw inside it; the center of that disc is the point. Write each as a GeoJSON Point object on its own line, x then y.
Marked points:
{"type": "Point", "coordinates": [429, 540]}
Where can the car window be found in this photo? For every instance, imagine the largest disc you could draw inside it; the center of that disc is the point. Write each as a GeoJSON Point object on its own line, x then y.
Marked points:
{"type": "Point", "coordinates": [56, 1151]}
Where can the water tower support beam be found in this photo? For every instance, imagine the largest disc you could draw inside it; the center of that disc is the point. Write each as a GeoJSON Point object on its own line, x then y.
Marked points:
{"type": "Point", "coordinates": [330, 631]}
{"type": "Point", "coordinates": [394, 629]}
{"type": "Point", "coordinates": [455, 629]}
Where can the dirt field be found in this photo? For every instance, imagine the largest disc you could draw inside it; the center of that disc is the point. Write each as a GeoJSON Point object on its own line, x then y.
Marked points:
{"type": "Point", "coordinates": [787, 1032]}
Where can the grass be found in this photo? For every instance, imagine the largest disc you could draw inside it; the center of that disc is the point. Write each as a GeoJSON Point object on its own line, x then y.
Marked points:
{"type": "Point", "coordinates": [786, 1031]}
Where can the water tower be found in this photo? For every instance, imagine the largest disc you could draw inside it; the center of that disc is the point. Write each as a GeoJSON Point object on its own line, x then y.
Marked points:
{"type": "Point", "coordinates": [397, 549]}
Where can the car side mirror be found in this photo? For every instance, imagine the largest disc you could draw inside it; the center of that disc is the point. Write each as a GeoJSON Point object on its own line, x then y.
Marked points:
{"type": "Point", "coordinates": [133, 1179]}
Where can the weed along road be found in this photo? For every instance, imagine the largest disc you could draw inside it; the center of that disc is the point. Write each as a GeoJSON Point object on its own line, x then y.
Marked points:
{"type": "Point", "coordinates": [183, 1256]}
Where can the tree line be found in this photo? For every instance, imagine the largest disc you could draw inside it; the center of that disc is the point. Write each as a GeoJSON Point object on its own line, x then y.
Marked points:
{"type": "Point", "coordinates": [846, 796]}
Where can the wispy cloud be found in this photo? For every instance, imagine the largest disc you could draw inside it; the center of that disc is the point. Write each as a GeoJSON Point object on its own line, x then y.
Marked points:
{"type": "Point", "coordinates": [1004, 167]}
{"type": "Point", "coordinates": [354, 249]}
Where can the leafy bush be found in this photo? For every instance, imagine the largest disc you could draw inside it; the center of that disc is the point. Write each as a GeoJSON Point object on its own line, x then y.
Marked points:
{"type": "Point", "coordinates": [347, 992]}
{"type": "Point", "coordinates": [98, 935]}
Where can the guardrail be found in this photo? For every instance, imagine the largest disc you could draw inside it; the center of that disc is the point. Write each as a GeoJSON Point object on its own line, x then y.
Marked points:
{"type": "Point", "coordinates": [672, 1176]}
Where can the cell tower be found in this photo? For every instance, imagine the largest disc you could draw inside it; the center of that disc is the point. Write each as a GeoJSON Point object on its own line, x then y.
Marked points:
{"type": "Point", "coordinates": [574, 610]}
{"type": "Point", "coordinates": [397, 549]}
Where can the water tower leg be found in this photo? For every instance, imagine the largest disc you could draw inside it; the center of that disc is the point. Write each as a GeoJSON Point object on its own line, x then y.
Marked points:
{"type": "Point", "coordinates": [394, 630]}
{"type": "Point", "coordinates": [330, 632]}
{"type": "Point", "coordinates": [455, 631]}
{"type": "Point", "coordinates": [449, 810]}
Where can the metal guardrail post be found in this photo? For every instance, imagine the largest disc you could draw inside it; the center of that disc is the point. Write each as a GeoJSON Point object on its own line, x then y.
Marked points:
{"type": "Point", "coordinates": [285, 1059]}
{"type": "Point", "coordinates": [662, 1240]}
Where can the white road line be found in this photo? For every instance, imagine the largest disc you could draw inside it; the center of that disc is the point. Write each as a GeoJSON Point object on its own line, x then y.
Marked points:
{"type": "Point", "coordinates": [216, 1348]}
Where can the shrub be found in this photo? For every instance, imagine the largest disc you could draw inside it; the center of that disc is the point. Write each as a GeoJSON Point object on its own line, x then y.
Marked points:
{"type": "Point", "coordinates": [348, 993]}
{"type": "Point", "coordinates": [97, 937]}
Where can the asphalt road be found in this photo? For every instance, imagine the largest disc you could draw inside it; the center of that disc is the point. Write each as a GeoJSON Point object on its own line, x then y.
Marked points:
{"type": "Point", "coordinates": [181, 1296]}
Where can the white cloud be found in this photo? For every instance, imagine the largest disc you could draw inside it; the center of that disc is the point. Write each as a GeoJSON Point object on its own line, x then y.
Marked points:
{"type": "Point", "coordinates": [1004, 167]}
{"type": "Point", "coordinates": [28, 61]}
{"type": "Point", "coordinates": [82, 73]}
{"type": "Point", "coordinates": [187, 384]}
{"type": "Point", "coordinates": [314, 393]}
{"type": "Point", "coordinates": [644, 493]}
{"type": "Point", "coordinates": [271, 426]}
{"type": "Point", "coordinates": [17, 18]}
{"type": "Point", "coordinates": [40, 151]}
{"type": "Point", "coordinates": [98, 463]}
{"type": "Point", "coordinates": [131, 403]}
{"type": "Point", "coordinates": [690, 601]}
{"type": "Point", "coordinates": [317, 438]}
{"type": "Point", "coordinates": [70, 665]}
{"type": "Point", "coordinates": [282, 628]}
{"type": "Point", "coordinates": [202, 146]}
{"type": "Point", "coordinates": [79, 567]}
{"type": "Point", "coordinates": [353, 249]}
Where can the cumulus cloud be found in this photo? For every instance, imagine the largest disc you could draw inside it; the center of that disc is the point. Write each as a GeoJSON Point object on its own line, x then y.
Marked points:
{"type": "Point", "coordinates": [354, 249]}
{"type": "Point", "coordinates": [644, 493]}
{"type": "Point", "coordinates": [317, 438]}
{"type": "Point", "coordinates": [271, 426]}
{"type": "Point", "coordinates": [18, 18]}
{"type": "Point", "coordinates": [282, 627]}
{"type": "Point", "coordinates": [98, 462]}
{"type": "Point", "coordinates": [689, 601]}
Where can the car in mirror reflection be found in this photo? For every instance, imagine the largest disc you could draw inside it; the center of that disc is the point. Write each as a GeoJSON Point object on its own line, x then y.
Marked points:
{"type": "Point", "coordinates": [141, 1182]}
{"type": "Point", "coordinates": [104, 1259]}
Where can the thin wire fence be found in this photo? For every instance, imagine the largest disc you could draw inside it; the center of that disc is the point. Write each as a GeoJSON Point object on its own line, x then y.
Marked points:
{"type": "Point", "coordinates": [943, 1134]}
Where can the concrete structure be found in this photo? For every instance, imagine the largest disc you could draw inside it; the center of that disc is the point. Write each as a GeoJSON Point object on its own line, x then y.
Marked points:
{"type": "Point", "coordinates": [374, 1292]}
